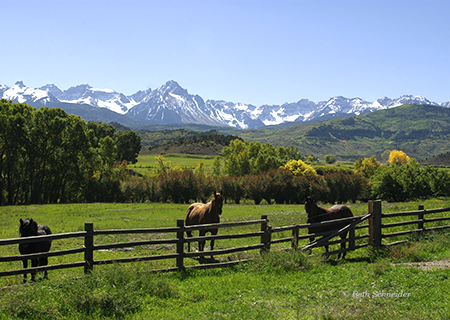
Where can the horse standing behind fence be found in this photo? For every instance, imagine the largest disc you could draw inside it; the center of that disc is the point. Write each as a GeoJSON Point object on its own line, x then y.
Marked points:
{"type": "Point", "coordinates": [319, 214]}
{"type": "Point", "coordinates": [200, 213]}
{"type": "Point", "coordinates": [29, 228]}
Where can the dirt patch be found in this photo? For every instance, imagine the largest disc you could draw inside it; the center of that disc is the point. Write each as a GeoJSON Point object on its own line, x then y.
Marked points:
{"type": "Point", "coordinates": [427, 265]}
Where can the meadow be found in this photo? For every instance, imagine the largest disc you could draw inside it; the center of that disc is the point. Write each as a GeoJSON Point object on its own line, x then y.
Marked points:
{"type": "Point", "coordinates": [147, 162]}
{"type": "Point", "coordinates": [283, 284]}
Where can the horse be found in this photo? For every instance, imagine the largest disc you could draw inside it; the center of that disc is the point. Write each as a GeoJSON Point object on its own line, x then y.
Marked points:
{"type": "Point", "coordinates": [200, 213]}
{"type": "Point", "coordinates": [319, 214]}
{"type": "Point", "coordinates": [29, 228]}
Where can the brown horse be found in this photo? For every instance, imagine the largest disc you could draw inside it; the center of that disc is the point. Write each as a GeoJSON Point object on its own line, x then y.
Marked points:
{"type": "Point", "coordinates": [29, 228]}
{"type": "Point", "coordinates": [319, 214]}
{"type": "Point", "coordinates": [200, 213]}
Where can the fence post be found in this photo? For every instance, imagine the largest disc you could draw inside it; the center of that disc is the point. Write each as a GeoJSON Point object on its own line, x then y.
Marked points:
{"type": "Point", "coordinates": [351, 243]}
{"type": "Point", "coordinates": [264, 237]}
{"type": "Point", "coordinates": [180, 244]}
{"type": "Point", "coordinates": [294, 242]}
{"type": "Point", "coordinates": [89, 247]}
{"type": "Point", "coordinates": [420, 218]}
{"type": "Point", "coordinates": [375, 223]}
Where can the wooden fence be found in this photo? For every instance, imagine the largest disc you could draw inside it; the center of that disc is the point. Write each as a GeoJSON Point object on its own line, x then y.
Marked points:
{"type": "Point", "coordinates": [265, 239]}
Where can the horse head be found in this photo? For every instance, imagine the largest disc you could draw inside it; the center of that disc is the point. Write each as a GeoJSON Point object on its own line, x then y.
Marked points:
{"type": "Point", "coordinates": [28, 228]}
{"type": "Point", "coordinates": [310, 205]}
{"type": "Point", "coordinates": [218, 202]}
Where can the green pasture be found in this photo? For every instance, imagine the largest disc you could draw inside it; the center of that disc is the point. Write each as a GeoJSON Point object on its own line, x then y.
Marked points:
{"type": "Point", "coordinates": [147, 162]}
{"type": "Point", "coordinates": [279, 285]}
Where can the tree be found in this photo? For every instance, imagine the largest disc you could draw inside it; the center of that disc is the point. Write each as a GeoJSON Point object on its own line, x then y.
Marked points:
{"type": "Point", "coordinates": [397, 156]}
{"type": "Point", "coordinates": [330, 159]}
{"type": "Point", "coordinates": [243, 157]}
{"type": "Point", "coordinates": [216, 167]}
{"type": "Point", "coordinates": [128, 146]}
{"type": "Point", "coordinates": [367, 167]}
{"type": "Point", "coordinates": [300, 168]}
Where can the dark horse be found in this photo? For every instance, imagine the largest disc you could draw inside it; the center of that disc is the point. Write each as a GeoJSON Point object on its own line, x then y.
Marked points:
{"type": "Point", "coordinates": [319, 214]}
{"type": "Point", "coordinates": [200, 213]}
{"type": "Point", "coordinates": [29, 228]}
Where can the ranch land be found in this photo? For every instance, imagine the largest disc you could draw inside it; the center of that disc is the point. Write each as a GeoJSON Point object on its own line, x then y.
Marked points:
{"type": "Point", "coordinates": [390, 283]}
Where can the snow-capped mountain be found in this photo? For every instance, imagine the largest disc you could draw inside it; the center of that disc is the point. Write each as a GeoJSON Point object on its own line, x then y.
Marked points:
{"type": "Point", "coordinates": [21, 93]}
{"type": "Point", "coordinates": [101, 98]}
{"type": "Point", "coordinates": [173, 104]}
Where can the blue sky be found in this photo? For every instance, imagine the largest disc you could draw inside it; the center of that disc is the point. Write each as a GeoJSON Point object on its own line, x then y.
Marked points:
{"type": "Point", "coordinates": [250, 51]}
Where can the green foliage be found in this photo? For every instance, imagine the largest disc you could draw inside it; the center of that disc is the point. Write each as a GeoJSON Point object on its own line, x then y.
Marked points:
{"type": "Point", "coordinates": [232, 188]}
{"type": "Point", "coordinates": [243, 157]}
{"type": "Point", "coordinates": [330, 159]}
{"type": "Point", "coordinates": [49, 156]}
{"type": "Point", "coordinates": [402, 182]}
{"type": "Point", "coordinates": [367, 167]}
{"type": "Point", "coordinates": [185, 141]}
{"type": "Point", "coordinates": [128, 146]}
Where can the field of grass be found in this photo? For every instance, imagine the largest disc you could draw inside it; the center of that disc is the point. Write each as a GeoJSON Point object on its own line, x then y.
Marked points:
{"type": "Point", "coordinates": [147, 162]}
{"type": "Point", "coordinates": [279, 285]}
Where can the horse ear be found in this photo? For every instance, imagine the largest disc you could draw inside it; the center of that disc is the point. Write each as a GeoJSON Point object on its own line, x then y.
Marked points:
{"type": "Point", "coordinates": [21, 221]}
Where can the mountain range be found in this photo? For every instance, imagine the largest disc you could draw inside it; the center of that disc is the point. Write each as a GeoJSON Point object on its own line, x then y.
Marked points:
{"type": "Point", "coordinates": [172, 104]}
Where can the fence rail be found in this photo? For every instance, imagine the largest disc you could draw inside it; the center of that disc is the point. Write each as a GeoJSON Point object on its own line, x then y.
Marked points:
{"type": "Point", "coordinates": [373, 237]}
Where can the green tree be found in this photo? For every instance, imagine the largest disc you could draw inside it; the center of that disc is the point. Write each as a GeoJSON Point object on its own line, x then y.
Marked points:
{"type": "Point", "coordinates": [128, 146]}
{"type": "Point", "coordinates": [330, 159]}
{"type": "Point", "coordinates": [366, 167]}
{"type": "Point", "coordinates": [216, 167]}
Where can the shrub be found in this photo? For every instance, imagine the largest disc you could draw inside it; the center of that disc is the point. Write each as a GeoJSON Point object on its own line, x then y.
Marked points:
{"type": "Point", "coordinates": [232, 188]}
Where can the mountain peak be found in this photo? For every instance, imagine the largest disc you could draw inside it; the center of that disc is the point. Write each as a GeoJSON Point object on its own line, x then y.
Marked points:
{"type": "Point", "coordinates": [20, 84]}
{"type": "Point", "coordinates": [172, 86]}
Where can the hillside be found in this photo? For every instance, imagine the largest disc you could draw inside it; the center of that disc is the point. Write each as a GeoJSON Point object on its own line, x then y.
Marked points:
{"type": "Point", "coordinates": [421, 131]}
{"type": "Point", "coordinates": [189, 142]}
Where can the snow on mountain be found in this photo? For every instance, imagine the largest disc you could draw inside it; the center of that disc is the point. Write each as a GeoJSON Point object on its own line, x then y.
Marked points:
{"type": "Point", "coordinates": [101, 98]}
{"type": "Point", "coordinates": [21, 93]}
{"type": "Point", "coordinates": [173, 104]}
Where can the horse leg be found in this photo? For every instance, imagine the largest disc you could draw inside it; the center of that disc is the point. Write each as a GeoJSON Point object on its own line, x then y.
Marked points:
{"type": "Point", "coordinates": [44, 262]}
{"type": "Point", "coordinates": [189, 234]}
{"type": "Point", "coordinates": [343, 237]}
{"type": "Point", "coordinates": [311, 240]}
{"type": "Point", "coordinates": [34, 263]}
{"type": "Point", "coordinates": [201, 243]}
{"type": "Point", "coordinates": [213, 232]}
{"type": "Point", "coordinates": [25, 266]}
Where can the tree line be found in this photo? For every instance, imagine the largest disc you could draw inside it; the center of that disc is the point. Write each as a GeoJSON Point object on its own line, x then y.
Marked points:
{"type": "Point", "coordinates": [49, 156]}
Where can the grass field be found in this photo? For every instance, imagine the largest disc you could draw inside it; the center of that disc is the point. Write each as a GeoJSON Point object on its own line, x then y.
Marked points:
{"type": "Point", "coordinates": [279, 285]}
{"type": "Point", "coordinates": [147, 162]}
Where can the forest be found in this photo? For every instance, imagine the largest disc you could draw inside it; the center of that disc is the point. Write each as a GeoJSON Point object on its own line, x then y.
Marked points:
{"type": "Point", "coordinates": [49, 156]}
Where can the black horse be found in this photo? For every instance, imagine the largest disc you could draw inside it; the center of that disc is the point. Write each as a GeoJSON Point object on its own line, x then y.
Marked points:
{"type": "Point", "coordinates": [29, 228]}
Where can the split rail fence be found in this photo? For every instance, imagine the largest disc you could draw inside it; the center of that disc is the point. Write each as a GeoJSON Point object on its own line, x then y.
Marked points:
{"type": "Point", "coordinates": [265, 239]}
